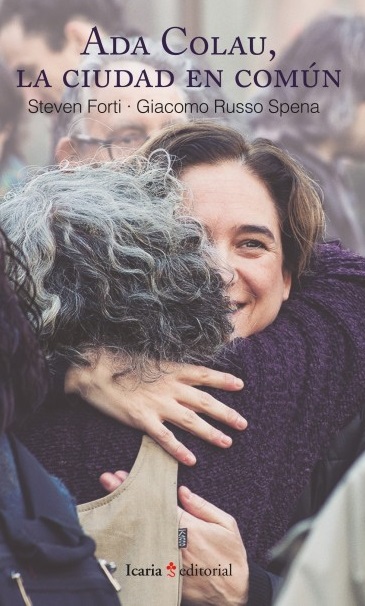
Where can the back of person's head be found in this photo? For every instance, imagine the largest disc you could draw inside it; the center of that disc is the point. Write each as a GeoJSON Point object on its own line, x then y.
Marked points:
{"type": "Point", "coordinates": [11, 105]}
{"type": "Point", "coordinates": [22, 370]}
{"type": "Point", "coordinates": [297, 203]}
{"type": "Point", "coordinates": [333, 43]}
{"type": "Point", "coordinates": [49, 17]}
{"type": "Point", "coordinates": [116, 266]}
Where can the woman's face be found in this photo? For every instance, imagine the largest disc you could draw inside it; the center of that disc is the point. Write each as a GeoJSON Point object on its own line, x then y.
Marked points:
{"type": "Point", "coordinates": [242, 221]}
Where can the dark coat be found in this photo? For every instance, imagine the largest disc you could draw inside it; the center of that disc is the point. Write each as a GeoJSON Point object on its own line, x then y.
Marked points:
{"type": "Point", "coordinates": [46, 555]}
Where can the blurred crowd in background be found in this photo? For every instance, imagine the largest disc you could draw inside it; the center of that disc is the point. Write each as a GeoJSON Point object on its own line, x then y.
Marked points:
{"type": "Point", "coordinates": [36, 35]}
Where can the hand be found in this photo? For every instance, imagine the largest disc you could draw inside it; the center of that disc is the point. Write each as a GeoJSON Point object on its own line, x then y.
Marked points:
{"type": "Point", "coordinates": [112, 481]}
{"type": "Point", "coordinates": [213, 540]}
{"type": "Point", "coordinates": [172, 397]}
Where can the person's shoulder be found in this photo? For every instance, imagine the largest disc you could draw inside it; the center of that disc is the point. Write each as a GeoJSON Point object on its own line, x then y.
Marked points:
{"type": "Point", "coordinates": [332, 260]}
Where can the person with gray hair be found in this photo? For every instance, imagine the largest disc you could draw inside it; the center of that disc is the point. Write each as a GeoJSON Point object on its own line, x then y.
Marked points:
{"type": "Point", "coordinates": [115, 267]}
{"type": "Point", "coordinates": [118, 268]}
{"type": "Point", "coordinates": [328, 139]}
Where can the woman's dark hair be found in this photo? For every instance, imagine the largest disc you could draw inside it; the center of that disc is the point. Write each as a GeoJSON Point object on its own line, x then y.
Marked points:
{"type": "Point", "coordinates": [22, 368]}
{"type": "Point", "coordinates": [11, 105]}
{"type": "Point", "coordinates": [297, 203]}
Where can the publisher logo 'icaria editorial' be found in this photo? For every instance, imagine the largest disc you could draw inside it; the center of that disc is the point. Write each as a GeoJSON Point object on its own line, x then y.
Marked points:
{"type": "Point", "coordinates": [171, 570]}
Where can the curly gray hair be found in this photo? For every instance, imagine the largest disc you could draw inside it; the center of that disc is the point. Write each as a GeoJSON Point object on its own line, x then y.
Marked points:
{"type": "Point", "coordinates": [116, 266]}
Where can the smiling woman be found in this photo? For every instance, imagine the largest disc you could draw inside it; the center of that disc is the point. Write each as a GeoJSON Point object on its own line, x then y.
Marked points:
{"type": "Point", "coordinates": [260, 210]}
{"type": "Point", "coordinates": [247, 237]}
{"type": "Point", "coordinates": [257, 177]}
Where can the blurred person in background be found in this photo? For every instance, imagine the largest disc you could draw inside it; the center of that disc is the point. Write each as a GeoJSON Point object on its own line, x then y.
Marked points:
{"type": "Point", "coordinates": [110, 135]}
{"type": "Point", "coordinates": [49, 35]}
{"type": "Point", "coordinates": [11, 108]}
{"type": "Point", "coordinates": [325, 142]}
{"type": "Point", "coordinates": [324, 555]}
{"type": "Point", "coordinates": [36, 35]}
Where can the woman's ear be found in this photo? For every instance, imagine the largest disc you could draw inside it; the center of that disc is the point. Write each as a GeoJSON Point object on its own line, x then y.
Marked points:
{"type": "Point", "coordinates": [287, 279]}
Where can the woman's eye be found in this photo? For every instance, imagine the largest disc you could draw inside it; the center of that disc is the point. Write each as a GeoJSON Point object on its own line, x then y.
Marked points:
{"type": "Point", "coordinates": [251, 244]}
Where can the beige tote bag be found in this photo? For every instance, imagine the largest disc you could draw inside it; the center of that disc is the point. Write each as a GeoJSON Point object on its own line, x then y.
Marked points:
{"type": "Point", "coordinates": [136, 527]}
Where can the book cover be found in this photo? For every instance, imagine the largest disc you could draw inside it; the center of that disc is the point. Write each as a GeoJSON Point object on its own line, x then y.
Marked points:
{"type": "Point", "coordinates": [94, 82]}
